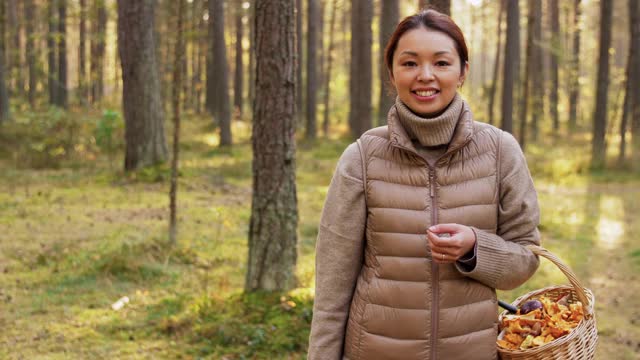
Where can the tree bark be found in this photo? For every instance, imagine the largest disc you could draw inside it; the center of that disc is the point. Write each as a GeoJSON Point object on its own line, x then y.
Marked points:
{"type": "Point", "coordinates": [81, 52]}
{"type": "Point", "coordinates": [312, 73]}
{"type": "Point", "coordinates": [537, 81]}
{"type": "Point", "coordinates": [575, 69]}
{"type": "Point", "coordinates": [29, 17]}
{"type": "Point", "coordinates": [239, 70]}
{"type": "Point", "coordinates": [598, 153]}
{"type": "Point", "coordinates": [52, 67]}
{"type": "Point", "coordinates": [496, 64]}
{"type": "Point", "coordinates": [299, 61]}
{"type": "Point", "coordinates": [634, 80]}
{"type": "Point", "coordinates": [274, 213]}
{"type": "Point", "coordinates": [175, 100]}
{"type": "Point", "coordinates": [360, 68]}
{"type": "Point", "coordinates": [62, 54]}
{"type": "Point", "coordinates": [98, 44]}
{"type": "Point", "coordinates": [556, 50]}
{"type": "Point", "coordinates": [221, 103]}
{"type": "Point", "coordinates": [4, 94]}
{"type": "Point", "coordinates": [389, 16]}
{"type": "Point", "coordinates": [15, 49]}
{"type": "Point", "coordinates": [327, 84]}
{"type": "Point", "coordinates": [143, 111]}
{"type": "Point", "coordinates": [511, 64]}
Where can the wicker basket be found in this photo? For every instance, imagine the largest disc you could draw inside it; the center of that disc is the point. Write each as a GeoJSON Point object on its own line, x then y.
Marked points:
{"type": "Point", "coordinates": [581, 342]}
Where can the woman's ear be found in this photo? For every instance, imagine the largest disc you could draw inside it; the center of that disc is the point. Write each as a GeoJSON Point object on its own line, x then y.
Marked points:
{"type": "Point", "coordinates": [464, 74]}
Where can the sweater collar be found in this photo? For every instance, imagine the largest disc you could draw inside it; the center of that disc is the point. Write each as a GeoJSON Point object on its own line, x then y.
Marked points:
{"type": "Point", "coordinates": [453, 127]}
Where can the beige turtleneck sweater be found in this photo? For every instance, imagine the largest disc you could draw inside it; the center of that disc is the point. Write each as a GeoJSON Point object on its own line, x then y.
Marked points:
{"type": "Point", "coordinates": [340, 246]}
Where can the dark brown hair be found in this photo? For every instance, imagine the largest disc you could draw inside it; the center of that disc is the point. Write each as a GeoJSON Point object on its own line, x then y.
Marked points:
{"type": "Point", "coordinates": [432, 20]}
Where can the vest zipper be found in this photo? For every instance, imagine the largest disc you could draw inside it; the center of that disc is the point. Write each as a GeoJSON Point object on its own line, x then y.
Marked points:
{"type": "Point", "coordinates": [435, 287]}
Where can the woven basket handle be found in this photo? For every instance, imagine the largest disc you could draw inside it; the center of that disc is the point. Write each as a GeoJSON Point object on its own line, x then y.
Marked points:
{"type": "Point", "coordinates": [582, 296]}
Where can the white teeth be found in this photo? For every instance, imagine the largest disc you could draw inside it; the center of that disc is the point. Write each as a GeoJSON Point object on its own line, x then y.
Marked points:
{"type": "Point", "coordinates": [426, 93]}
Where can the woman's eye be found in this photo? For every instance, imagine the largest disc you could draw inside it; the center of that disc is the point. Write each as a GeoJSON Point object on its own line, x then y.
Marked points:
{"type": "Point", "coordinates": [442, 63]}
{"type": "Point", "coordinates": [409, 63]}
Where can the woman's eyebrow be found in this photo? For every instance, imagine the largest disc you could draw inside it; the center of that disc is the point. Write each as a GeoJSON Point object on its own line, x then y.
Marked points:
{"type": "Point", "coordinates": [409, 52]}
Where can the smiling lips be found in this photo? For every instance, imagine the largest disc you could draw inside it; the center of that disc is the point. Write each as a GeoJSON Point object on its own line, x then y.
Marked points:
{"type": "Point", "coordinates": [426, 93]}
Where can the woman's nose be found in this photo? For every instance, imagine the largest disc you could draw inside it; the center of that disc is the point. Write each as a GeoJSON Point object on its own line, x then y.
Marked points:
{"type": "Point", "coordinates": [426, 73]}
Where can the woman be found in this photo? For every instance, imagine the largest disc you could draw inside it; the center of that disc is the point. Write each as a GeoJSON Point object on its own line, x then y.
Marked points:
{"type": "Point", "coordinates": [424, 218]}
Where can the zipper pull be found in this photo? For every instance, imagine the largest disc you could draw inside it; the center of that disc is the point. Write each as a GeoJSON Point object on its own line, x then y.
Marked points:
{"type": "Point", "coordinates": [432, 185]}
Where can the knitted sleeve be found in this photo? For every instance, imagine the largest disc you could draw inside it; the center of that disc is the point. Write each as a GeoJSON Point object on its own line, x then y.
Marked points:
{"type": "Point", "coordinates": [502, 261]}
{"type": "Point", "coordinates": [339, 253]}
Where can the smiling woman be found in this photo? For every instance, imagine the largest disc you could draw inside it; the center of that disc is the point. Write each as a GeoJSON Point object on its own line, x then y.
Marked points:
{"type": "Point", "coordinates": [424, 218]}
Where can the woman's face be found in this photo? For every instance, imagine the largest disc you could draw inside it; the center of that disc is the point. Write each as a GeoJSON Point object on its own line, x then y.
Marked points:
{"type": "Point", "coordinates": [426, 71]}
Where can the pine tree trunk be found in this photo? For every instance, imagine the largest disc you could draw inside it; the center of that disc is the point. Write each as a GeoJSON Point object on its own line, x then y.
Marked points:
{"type": "Point", "coordinates": [175, 100]}
{"type": "Point", "coordinates": [98, 43]}
{"type": "Point", "coordinates": [15, 49]}
{"type": "Point", "coordinates": [274, 213]}
{"type": "Point", "coordinates": [62, 54]}
{"type": "Point", "coordinates": [52, 67]}
{"type": "Point", "coordinates": [299, 62]}
{"type": "Point", "coordinates": [239, 70]}
{"type": "Point", "coordinates": [252, 53]}
{"type": "Point", "coordinates": [143, 111]}
{"type": "Point", "coordinates": [29, 16]}
{"type": "Point", "coordinates": [221, 102]}
{"type": "Point", "coordinates": [389, 16]}
{"type": "Point", "coordinates": [634, 80]}
{"type": "Point", "coordinates": [4, 95]}
{"type": "Point", "coordinates": [81, 52]}
{"type": "Point", "coordinates": [312, 60]}
{"type": "Point", "coordinates": [602, 88]}
{"type": "Point", "coordinates": [537, 81]}
{"type": "Point", "coordinates": [624, 123]}
{"type": "Point", "coordinates": [327, 83]}
{"type": "Point", "coordinates": [526, 85]}
{"type": "Point", "coordinates": [360, 68]}
{"type": "Point", "coordinates": [496, 64]}
{"type": "Point", "coordinates": [575, 69]}
{"type": "Point", "coordinates": [556, 49]}
{"type": "Point", "coordinates": [511, 64]}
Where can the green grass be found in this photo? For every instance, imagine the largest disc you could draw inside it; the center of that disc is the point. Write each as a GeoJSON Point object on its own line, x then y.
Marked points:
{"type": "Point", "coordinates": [80, 234]}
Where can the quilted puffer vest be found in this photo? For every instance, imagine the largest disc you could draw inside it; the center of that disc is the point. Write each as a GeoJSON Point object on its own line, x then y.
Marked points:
{"type": "Point", "coordinates": [405, 306]}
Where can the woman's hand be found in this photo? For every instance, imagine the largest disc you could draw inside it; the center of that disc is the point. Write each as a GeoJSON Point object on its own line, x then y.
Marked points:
{"type": "Point", "coordinates": [449, 242]}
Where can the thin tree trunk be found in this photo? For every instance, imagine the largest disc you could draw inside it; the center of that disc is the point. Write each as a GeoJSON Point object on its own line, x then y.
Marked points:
{"type": "Point", "coordinates": [52, 67]}
{"type": "Point", "coordinates": [634, 80]}
{"type": "Point", "coordinates": [537, 81]}
{"type": "Point", "coordinates": [252, 53]}
{"type": "Point", "coordinates": [575, 69]}
{"type": "Point", "coordinates": [496, 64]}
{"type": "Point", "coordinates": [312, 74]}
{"type": "Point", "coordinates": [602, 87]}
{"type": "Point", "coordinates": [29, 17]}
{"type": "Point", "coordinates": [15, 50]}
{"type": "Point", "coordinates": [389, 16]}
{"type": "Point", "coordinates": [524, 97]}
{"type": "Point", "coordinates": [98, 44]}
{"type": "Point", "coordinates": [141, 100]}
{"type": "Point", "coordinates": [4, 94]}
{"type": "Point", "coordinates": [220, 73]}
{"type": "Point", "coordinates": [511, 64]}
{"type": "Point", "coordinates": [299, 61]}
{"type": "Point", "coordinates": [274, 212]}
{"type": "Point", "coordinates": [81, 52]}
{"type": "Point", "coordinates": [327, 84]}
{"type": "Point", "coordinates": [62, 54]}
{"type": "Point", "coordinates": [624, 123]}
{"type": "Point", "coordinates": [361, 67]}
{"type": "Point", "coordinates": [239, 70]}
{"type": "Point", "coordinates": [555, 52]}
{"type": "Point", "coordinates": [175, 99]}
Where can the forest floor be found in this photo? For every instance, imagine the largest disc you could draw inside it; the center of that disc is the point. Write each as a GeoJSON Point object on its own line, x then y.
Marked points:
{"type": "Point", "coordinates": [77, 238]}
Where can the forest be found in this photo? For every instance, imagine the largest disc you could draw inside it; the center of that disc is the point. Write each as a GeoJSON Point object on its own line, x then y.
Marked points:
{"type": "Point", "coordinates": [164, 163]}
